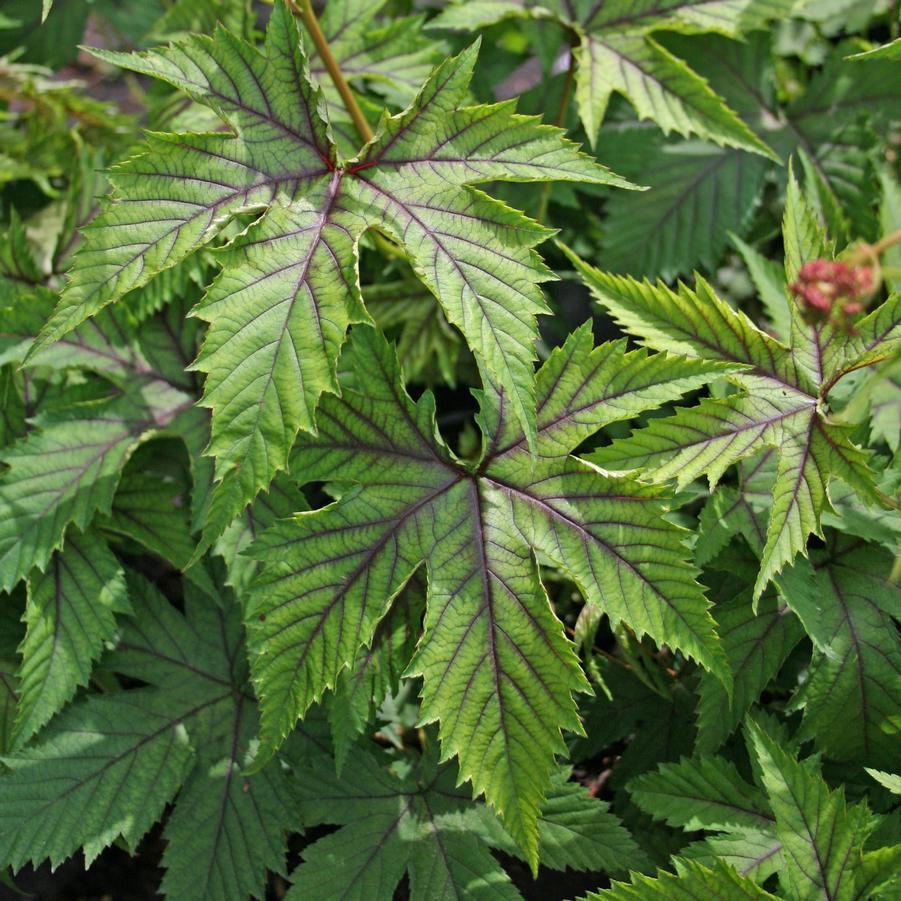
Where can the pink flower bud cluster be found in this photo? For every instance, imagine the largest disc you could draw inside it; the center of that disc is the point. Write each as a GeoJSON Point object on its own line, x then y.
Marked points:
{"type": "Point", "coordinates": [825, 288]}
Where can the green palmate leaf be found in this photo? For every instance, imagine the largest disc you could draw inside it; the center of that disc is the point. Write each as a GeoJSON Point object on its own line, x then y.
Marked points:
{"type": "Point", "coordinates": [617, 53]}
{"type": "Point", "coordinates": [69, 615]}
{"type": "Point", "coordinates": [422, 824]}
{"type": "Point", "coordinates": [822, 838]}
{"type": "Point", "coordinates": [301, 653]}
{"type": "Point", "coordinates": [703, 793]}
{"type": "Point", "coordinates": [226, 829]}
{"type": "Point", "coordinates": [288, 290]}
{"type": "Point", "coordinates": [105, 768]}
{"type": "Point", "coordinates": [659, 85]}
{"type": "Point", "coordinates": [854, 686]}
{"type": "Point", "coordinates": [108, 765]}
{"type": "Point", "coordinates": [692, 881]}
{"type": "Point", "coordinates": [697, 193]}
{"type": "Point", "coordinates": [756, 645]}
{"type": "Point", "coordinates": [498, 673]}
{"type": "Point", "coordinates": [391, 826]}
{"type": "Point", "coordinates": [709, 793]}
{"type": "Point", "coordinates": [781, 403]}
{"type": "Point", "coordinates": [68, 470]}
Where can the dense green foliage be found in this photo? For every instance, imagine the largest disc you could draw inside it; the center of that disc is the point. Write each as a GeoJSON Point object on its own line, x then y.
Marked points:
{"type": "Point", "coordinates": [344, 554]}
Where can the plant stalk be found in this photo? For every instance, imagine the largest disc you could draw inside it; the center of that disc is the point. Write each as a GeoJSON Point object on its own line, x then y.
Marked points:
{"type": "Point", "coordinates": [304, 11]}
{"type": "Point", "coordinates": [870, 253]}
{"type": "Point", "coordinates": [883, 244]}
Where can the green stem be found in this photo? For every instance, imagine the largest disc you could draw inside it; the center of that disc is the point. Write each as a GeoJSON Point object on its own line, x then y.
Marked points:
{"type": "Point", "coordinates": [883, 244]}
{"type": "Point", "coordinates": [560, 121]}
{"type": "Point", "coordinates": [888, 500]}
{"type": "Point", "coordinates": [867, 253]}
{"type": "Point", "coordinates": [304, 11]}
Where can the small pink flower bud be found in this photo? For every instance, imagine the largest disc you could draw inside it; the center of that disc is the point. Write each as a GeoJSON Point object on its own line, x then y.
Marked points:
{"type": "Point", "coordinates": [830, 289]}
